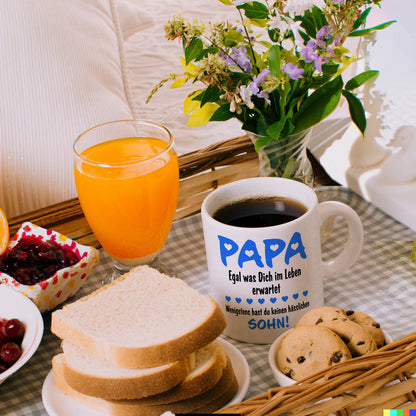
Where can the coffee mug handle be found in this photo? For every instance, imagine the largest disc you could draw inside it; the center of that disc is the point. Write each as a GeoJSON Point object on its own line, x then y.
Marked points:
{"type": "Point", "coordinates": [355, 239]}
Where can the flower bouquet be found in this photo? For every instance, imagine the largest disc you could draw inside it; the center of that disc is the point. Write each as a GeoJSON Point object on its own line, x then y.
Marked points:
{"type": "Point", "coordinates": [278, 69]}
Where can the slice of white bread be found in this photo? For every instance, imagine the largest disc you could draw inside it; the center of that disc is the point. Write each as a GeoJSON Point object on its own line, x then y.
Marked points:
{"type": "Point", "coordinates": [142, 319]}
{"type": "Point", "coordinates": [99, 378]}
{"type": "Point", "coordinates": [96, 377]}
{"type": "Point", "coordinates": [212, 399]}
{"type": "Point", "coordinates": [210, 362]}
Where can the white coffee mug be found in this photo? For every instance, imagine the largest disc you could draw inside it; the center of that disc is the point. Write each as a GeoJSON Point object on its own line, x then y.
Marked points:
{"type": "Point", "coordinates": [265, 278]}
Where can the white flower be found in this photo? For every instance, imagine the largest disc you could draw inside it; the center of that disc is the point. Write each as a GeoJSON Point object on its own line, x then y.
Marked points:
{"type": "Point", "coordinates": [284, 25]}
{"type": "Point", "coordinates": [319, 3]}
{"type": "Point", "coordinates": [288, 44]}
{"type": "Point", "coordinates": [278, 23]}
{"type": "Point", "coordinates": [245, 94]}
{"type": "Point", "coordinates": [294, 27]}
{"type": "Point", "coordinates": [297, 7]}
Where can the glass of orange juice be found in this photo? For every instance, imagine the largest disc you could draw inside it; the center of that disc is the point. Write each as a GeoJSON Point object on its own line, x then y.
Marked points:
{"type": "Point", "coordinates": [127, 178]}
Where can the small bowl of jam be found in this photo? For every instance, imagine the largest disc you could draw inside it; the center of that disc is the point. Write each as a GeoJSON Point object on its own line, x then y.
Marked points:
{"type": "Point", "coordinates": [45, 265]}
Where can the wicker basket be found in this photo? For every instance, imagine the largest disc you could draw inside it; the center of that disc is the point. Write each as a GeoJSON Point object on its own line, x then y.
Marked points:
{"type": "Point", "coordinates": [204, 170]}
{"type": "Point", "coordinates": [363, 386]}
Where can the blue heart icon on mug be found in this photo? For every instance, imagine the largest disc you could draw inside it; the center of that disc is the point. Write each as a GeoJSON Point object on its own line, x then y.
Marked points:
{"type": "Point", "coordinates": [305, 293]}
{"type": "Point", "coordinates": [296, 295]}
{"type": "Point", "coordinates": [284, 298]}
{"type": "Point", "coordinates": [238, 300]}
{"type": "Point", "coordinates": [249, 301]}
{"type": "Point", "coordinates": [227, 298]}
{"type": "Point", "coordinates": [261, 301]}
{"type": "Point", "coordinates": [273, 300]}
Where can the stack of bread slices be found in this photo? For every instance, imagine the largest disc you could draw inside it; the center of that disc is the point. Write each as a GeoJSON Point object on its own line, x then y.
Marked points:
{"type": "Point", "coordinates": [143, 345]}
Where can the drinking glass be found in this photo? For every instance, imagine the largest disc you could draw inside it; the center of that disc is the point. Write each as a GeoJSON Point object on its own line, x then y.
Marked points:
{"type": "Point", "coordinates": [127, 178]}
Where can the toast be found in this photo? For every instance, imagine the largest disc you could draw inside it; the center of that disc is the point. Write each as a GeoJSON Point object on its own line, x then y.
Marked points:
{"type": "Point", "coordinates": [142, 319]}
{"type": "Point", "coordinates": [99, 378]}
{"type": "Point", "coordinates": [214, 398]}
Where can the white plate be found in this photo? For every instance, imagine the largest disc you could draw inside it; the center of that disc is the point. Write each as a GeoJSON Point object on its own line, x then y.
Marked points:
{"type": "Point", "coordinates": [15, 305]}
{"type": "Point", "coordinates": [57, 403]}
{"type": "Point", "coordinates": [241, 370]}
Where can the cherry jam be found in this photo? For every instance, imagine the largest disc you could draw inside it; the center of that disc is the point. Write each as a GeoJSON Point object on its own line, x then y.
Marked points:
{"type": "Point", "coordinates": [33, 260]}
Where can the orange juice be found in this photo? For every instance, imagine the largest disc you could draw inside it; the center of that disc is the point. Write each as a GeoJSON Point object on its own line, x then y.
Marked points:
{"type": "Point", "coordinates": [128, 194]}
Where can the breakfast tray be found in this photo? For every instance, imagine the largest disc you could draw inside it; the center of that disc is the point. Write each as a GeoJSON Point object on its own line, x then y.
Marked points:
{"type": "Point", "coordinates": [382, 283]}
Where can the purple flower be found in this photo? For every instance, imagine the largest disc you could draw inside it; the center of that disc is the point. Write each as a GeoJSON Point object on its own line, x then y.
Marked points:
{"type": "Point", "coordinates": [309, 53]}
{"type": "Point", "coordinates": [240, 57]}
{"type": "Point", "coordinates": [319, 61]}
{"type": "Point", "coordinates": [338, 1]}
{"type": "Point", "coordinates": [292, 70]}
{"type": "Point", "coordinates": [261, 78]}
{"type": "Point", "coordinates": [325, 32]}
{"type": "Point", "coordinates": [254, 86]}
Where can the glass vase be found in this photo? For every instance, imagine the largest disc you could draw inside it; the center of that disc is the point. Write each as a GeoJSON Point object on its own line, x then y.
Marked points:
{"type": "Point", "coordinates": [286, 157]}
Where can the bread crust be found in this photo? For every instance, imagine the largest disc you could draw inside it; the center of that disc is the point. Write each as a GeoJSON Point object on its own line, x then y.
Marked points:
{"type": "Point", "coordinates": [208, 401]}
{"type": "Point", "coordinates": [194, 385]}
{"type": "Point", "coordinates": [162, 379]}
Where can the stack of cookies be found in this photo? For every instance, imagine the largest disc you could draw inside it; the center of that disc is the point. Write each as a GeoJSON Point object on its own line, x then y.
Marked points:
{"type": "Point", "coordinates": [325, 336]}
{"type": "Point", "coordinates": [143, 345]}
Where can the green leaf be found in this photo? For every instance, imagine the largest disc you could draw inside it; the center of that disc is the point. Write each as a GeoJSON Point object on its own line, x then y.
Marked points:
{"type": "Point", "coordinates": [274, 35]}
{"type": "Point", "coordinates": [361, 19]}
{"type": "Point", "coordinates": [258, 22]}
{"type": "Point", "coordinates": [210, 94]}
{"type": "Point", "coordinates": [273, 59]}
{"type": "Point", "coordinates": [222, 113]}
{"type": "Point", "coordinates": [319, 105]}
{"type": "Point", "coordinates": [364, 32]}
{"type": "Point", "coordinates": [274, 130]}
{"type": "Point", "coordinates": [193, 50]}
{"type": "Point", "coordinates": [360, 79]}
{"type": "Point", "coordinates": [255, 10]}
{"type": "Point", "coordinates": [413, 254]}
{"type": "Point", "coordinates": [205, 52]}
{"type": "Point", "coordinates": [227, 2]}
{"type": "Point", "coordinates": [304, 36]}
{"type": "Point", "coordinates": [319, 17]}
{"type": "Point", "coordinates": [309, 26]}
{"type": "Point", "coordinates": [356, 111]}
{"type": "Point", "coordinates": [234, 35]}
{"type": "Point", "coordinates": [261, 142]}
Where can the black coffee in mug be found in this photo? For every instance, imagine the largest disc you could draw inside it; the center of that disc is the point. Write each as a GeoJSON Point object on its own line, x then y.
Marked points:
{"type": "Point", "coordinates": [260, 212]}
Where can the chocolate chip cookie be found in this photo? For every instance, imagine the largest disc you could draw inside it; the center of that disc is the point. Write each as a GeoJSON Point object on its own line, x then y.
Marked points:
{"type": "Point", "coordinates": [358, 338]}
{"type": "Point", "coordinates": [368, 322]}
{"type": "Point", "coordinates": [307, 349]}
{"type": "Point", "coordinates": [321, 315]}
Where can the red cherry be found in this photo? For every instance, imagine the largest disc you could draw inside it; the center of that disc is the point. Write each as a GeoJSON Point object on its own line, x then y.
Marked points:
{"type": "Point", "coordinates": [10, 352]}
{"type": "Point", "coordinates": [13, 330]}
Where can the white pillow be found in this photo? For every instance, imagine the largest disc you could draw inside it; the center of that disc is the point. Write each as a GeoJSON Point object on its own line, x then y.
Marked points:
{"type": "Point", "coordinates": [62, 71]}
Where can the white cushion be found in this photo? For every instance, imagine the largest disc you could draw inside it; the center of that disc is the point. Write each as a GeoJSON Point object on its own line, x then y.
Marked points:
{"type": "Point", "coordinates": [62, 71]}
